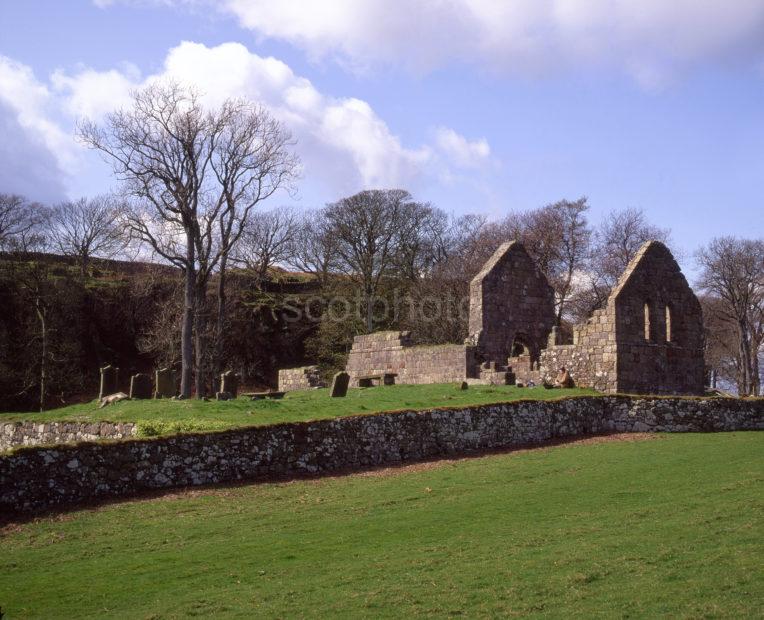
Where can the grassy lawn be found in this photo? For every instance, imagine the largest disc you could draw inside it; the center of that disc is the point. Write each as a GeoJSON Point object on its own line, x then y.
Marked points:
{"type": "Point", "coordinates": [665, 527]}
{"type": "Point", "coordinates": [167, 416]}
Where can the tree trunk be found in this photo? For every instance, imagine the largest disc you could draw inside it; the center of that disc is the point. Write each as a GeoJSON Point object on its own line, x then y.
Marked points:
{"type": "Point", "coordinates": [187, 326]}
{"type": "Point", "coordinates": [44, 353]}
{"type": "Point", "coordinates": [220, 320]}
{"type": "Point", "coordinates": [756, 386]}
{"type": "Point", "coordinates": [199, 344]}
{"type": "Point", "coordinates": [369, 312]}
{"type": "Point", "coordinates": [746, 379]}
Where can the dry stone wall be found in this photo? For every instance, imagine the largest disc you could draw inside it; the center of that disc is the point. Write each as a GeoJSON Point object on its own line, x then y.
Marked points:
{"type": "Point", "coordinates": [35, 479]}
{"type": "Point", "coordinates": [13, 434]}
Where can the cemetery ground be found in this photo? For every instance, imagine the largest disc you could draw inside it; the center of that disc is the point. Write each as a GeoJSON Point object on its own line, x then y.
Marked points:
{"type": "Point", "coordinates": [164, 416]}
{"type": "Point", "coordinates": [669, 525]}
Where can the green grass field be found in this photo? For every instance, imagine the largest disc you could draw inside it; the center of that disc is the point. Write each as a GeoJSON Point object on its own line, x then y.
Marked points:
{"type": "Point", "coordinates": [158, 417]}
{"type": "Point", "coordinates": [665, 527]}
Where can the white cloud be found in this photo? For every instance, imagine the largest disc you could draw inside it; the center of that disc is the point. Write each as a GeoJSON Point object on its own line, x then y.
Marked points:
{"type": "Point", "coordinates": [95, 93]}
{"type": "Point", "coordinates": [345, 145]}
{"type": "Point", "coordinates": [30, 102]}
{"type": "Point", "coordinates": [36, 152]}
{"type": "Point", "coordinates": [647, 39]}
{"type": "Point", "coordinates": [463, 152]}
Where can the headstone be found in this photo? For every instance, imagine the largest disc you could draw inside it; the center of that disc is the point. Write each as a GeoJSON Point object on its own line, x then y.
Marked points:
{"type": "Point", "coordinates": [340, 384]}
{"type": "Point", "coordinates": [164, 382]}
{"type": "Point", "coordinates": [464, 385]}
{"type": "Point", "coordinates": [229, 382]}
{"type": "Point", "coordinates": [140, 386]}
{"type": "Point", "coordinates": [109, 381]}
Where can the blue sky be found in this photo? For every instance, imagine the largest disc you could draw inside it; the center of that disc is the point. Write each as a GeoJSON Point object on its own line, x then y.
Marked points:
{"type": "Point", "coordinates": [477, 106]}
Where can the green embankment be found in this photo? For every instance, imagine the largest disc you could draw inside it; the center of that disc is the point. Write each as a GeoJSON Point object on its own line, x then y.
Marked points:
{"type": "Point", "coordinates": [157, 417]}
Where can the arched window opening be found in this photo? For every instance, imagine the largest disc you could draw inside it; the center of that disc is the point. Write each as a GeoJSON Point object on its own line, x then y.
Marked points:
{"type": "Point", "coordinates": [669, 337]}
{"type": "Point", "coordinates": [647, 321]}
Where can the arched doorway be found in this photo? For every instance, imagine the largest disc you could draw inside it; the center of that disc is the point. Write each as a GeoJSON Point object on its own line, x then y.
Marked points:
{"type": "Point", "coordinates": [521, 356]}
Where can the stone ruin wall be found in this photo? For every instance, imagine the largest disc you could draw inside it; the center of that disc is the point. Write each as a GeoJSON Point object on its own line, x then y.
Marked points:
{"type": "Point", "coordinates": [648, 339]}
{"type": "Point", "coordinates": [659, 327]}
{"type": "Point", "coordinates": [392, 352]}
{"type": "Point", "coordinates": [303, 378]}
{"type": "Point", "coordinates": [34, 479]}
{"type": "Point", "coordinates": [511, 324]}
{"type": "Point", "coordinates": [591, 359]}
{"type": "Point", "coordinates": [510, 301]}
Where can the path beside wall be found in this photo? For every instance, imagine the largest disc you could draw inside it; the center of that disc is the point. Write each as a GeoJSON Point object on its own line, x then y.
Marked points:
{"type": "Point", "coordinates": [34, 479]}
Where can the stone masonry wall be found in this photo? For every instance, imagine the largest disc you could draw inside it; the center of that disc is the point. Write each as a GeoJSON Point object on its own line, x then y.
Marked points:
{"type": "Point", "coordinates": [14, 434]}
{"type": "Point", "coordinates": [648, 339]}
{"type": "Point", "coordinates": [591, 359]}
{"type": "Point", "coordinates": [659, 327]}
{"type": "Point", "coordinates": [303, 378]}
{"type": "Point", "coordinates": [34, 479]}
{"type": "Point", "coordinates": [510, 301]}
{"type": "Point", "coordinates": [391, 352]}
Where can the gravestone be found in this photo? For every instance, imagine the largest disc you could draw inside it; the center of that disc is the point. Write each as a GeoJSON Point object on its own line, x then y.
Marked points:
{"type": "Point", "coordinates": [109, 380]}
{"type": "Point", "coordinates": [340, 384]}
{"type": "Point", "coordinates": [229, 383]}
{"type": "Point", "coordinates": [140, 386]}
{"type": "Point", "coordinates": [164, 382]}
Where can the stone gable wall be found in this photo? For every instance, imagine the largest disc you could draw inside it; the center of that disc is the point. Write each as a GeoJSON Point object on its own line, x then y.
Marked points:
{"type": "Point", "coordinates": [610, 351]}
{"type": "Point", "coordinates": [510, 298]}
{"type": "Point", "coordinates": [35, 479]}
{"type": "Point", "coordinates": [663, 363]}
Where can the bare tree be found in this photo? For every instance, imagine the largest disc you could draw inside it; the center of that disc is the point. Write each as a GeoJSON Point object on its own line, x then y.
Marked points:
{"type": "Point", "coordinates": [567, 222]}
{"type": "Point", "coordinates": [86, 228]}
{"type": "Point", "coordinates": [160, 150]}
{"type": "Point", "coordinates": [367, 229]}
{"type": "Point", "coordinates": [269, 239]}
{"type": "Point", "coordinates": [616, 242]}
{"type": "Point", "coordinates": [732, 274]}
{"type": "Point", "coordinates": [251, 161]}
{"type": "Point", "coordinates": [315, 248]}
{"type": "Point", "coordinates": [423, 240]}
{"type": "Point", "coordinates": [22, 224]}
{"type": "Point", "coordinates": [195, 173]}
{"type": "Point", "coordinates": [558, 238]}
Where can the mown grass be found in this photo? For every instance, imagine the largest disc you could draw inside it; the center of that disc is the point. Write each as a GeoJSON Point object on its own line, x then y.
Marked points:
{"type": "Point", "coordinates": [160, 417]}
{"type": "Point", "coordinates": [670, 527]}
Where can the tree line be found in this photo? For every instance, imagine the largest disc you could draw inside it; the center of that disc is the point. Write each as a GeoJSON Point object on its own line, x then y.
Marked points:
{"type": "Point", "coordinates": [191, 179]}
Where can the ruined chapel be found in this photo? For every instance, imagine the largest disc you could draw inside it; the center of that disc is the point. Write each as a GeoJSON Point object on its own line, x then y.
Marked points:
{"type": "Point", "coordinates": [647, 339]}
